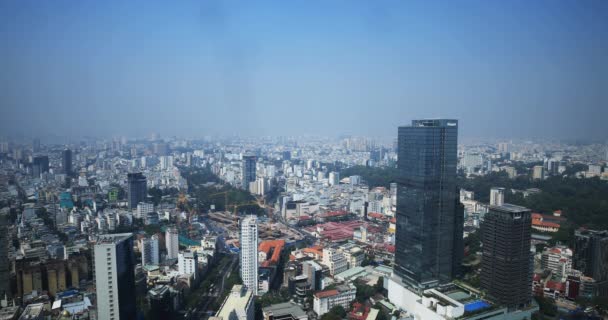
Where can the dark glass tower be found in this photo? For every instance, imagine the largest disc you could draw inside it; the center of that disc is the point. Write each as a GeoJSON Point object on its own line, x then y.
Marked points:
{"type": "Point", "coordinates": [248, 170]}
{"type": "Point", "coordinates": [428, 235]}
{"type": "Point", "coordinates": [506, 265]}
{"type": "Point", "coordinates": [591, 257]}
{"type": "Point", "coordinates": [4, 266]}
{"type": "Point", "coordinates": [137, 189]}
{"type": "Point", "coordinates": [40, 165]}
{"type": "Point", "coordinates": [66, 161]}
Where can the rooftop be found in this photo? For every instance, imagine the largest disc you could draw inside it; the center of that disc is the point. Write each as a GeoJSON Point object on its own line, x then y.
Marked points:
{"type": "Point", "coordinates": [287, 308]}
{"type": "Point", "coordinates": [113, 238]}
{"type": "Point", "coordinates": [509, 208]}
{"type": "Point", "coordinates": [32, 311]}
{"type": "Point", "coordinates": [237, 301]}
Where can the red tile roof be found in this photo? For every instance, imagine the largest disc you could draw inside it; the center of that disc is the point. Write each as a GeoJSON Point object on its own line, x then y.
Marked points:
{"type": "Point", "coordinates": [555, 286]}
{"type": "Point", "coordinates": [326, 293]}
{"type": "Point", "coordinates": [266, 246]}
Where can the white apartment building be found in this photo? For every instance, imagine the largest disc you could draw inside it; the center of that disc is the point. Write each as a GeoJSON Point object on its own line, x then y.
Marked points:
{"type": "Point", "coordinates": [342, 295]}
{"type": "Point", "coordinates": [335, 261]}
{"type": "Point", "coordinates": [172, 243]}
{"type": "Point", "coordinates": [249, 253]}
{"type": "Point", "coordinates": [114, 276]}
{"type": "Point", "coordinates": [143, 208]}
{"type": "Point", "coordinates": [187, 263]}
{"type": "Point", "coordinates": [150, 251]}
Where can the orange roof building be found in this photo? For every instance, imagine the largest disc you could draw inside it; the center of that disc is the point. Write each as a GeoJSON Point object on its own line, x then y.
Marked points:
{"type": "Point", "coordinates": [272, 248]}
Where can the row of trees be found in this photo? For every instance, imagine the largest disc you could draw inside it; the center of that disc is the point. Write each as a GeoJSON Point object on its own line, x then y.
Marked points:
{"type": "Point", "coordinates": [583, 201]}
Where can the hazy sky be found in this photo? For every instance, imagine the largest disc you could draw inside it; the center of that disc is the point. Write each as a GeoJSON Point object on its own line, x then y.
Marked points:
{"type": "Point", "coordinates": [504, 68]}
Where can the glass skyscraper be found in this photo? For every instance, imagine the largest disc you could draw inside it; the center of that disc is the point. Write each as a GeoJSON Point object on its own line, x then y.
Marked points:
{"type": "Point", "coordinates": [248, 170]}
{"type": "Point", "coordinates": [429, 232]}
{"type": "Point", "coordinates": [507, 264]}
{"type": "Point", "coordinates": [66, 161]}
{"type": "Point", "coordinates": [137, 189]}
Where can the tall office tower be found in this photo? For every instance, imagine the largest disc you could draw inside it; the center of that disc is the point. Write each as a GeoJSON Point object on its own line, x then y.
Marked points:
{"type": "Point", "coordinates": [4, 266]}
{"type": "Point", "coordinates": [334, 178]}
{"type": "Point", "coordinates": [503, 147]}
{"type": "Point", "coordinates": [137, 189]}
{"type": "Point", "coordinates": [66, 161]}
{"type": "Point", "coordinates": [172, 243]}
{"type": "Point", "coordinates": [40, 165]}
{"type": "Point", "coordinates": [161, 149]}
{"type": "Point", "coordinates": [36, 145]}
{"type": "Point", "coordinates": [497, 196]}
{"type": "Point", "coordinates": [248, 168]}
{"type": "Point", "coordinates": [538, 173]}
{"type": "Point", "coordinates": [249, 253]}
{"type": "Point", "coordinates": [506, 264]}
{"type": "Point", "coordinates": [149, 251]}
{"type": "Point", "coordinates": [286, 155]}
{"type": "Point", "coordinates": [427, 220]}
{"type": "Point", "coordinates": [591, 257]}
{"type": "Point", "coordinates": [115, 276]}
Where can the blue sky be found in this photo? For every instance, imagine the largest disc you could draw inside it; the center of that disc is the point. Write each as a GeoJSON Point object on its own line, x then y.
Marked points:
{"type": "Point", "coordinates": [504, 68]}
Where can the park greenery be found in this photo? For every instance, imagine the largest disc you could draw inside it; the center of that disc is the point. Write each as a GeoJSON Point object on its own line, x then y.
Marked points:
{"type": "Point", "coordinates": [210, 191]}
{"type": "Point", "coordinates": [584, 202]}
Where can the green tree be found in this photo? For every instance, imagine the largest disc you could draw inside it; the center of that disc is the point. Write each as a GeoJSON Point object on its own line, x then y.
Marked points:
{"type": "Point", "coordinates": [335, 313]}
{"type": "Point", "coordinates": [547, 306]}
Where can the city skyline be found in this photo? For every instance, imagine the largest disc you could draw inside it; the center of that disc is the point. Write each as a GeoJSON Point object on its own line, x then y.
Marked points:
{"type": "Point", "coordinates": [511, 70]}
{"type": "Point", "coordinates": [322, 160]}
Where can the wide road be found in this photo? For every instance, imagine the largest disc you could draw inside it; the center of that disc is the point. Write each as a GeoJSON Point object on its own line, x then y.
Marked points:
{"type": "Point", "coordinates": [209, 298]}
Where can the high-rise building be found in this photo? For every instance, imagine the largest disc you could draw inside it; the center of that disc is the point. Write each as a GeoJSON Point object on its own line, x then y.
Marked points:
{"type": "Point", "coordinates": [66, 161]}
{"type": "Point", "coordinates": [428, 234]}
{"type": "Point", "coordinates": [472, 161]}
{"type": "Point", "coordinates": [5, 287]}
{"type": "Point", "coordinates": [40, 165]}
{"type": "Point", "coordinates": [591, 257]}
{"type": "Point", "coordinates": [249, 252]}
{"type": "Point", "coordinates": [497, 196]}
{"type": "Point", "coordinates": [314, 274]}
{"type": "Point", "coordinates": [137, 189]}
{"type": "Point", "coordinates": [172, 243]}
{"type": "Point", "coordinates": [36, 145]}
{"type": "Point", "coordinates": [506, 270]}
{"type": "Point", "coordinates": [150, 251]}
{"type": "Point", "coordinates": [503, 148]}
{"type": "Point", "coordinates": [538, 173]}
{"type": "Point", "coordinates": [248, 170]}
{"type": "Point", "coordinates": [161, 149]}
{"type": "Point", "coordinates": [334, 178]}
{"type": "Point", "coordinates": [286, 155]}
{"type": "Point", "coordinates": [187, 263]}
{"type": "Point", "coordinates": [115, 277]}
{"type": "Point", "coordinates": [143, 208]}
